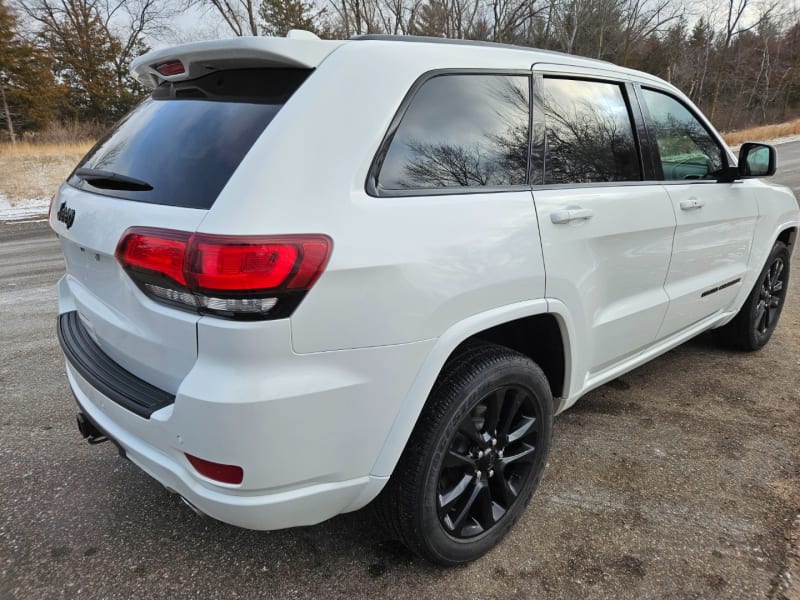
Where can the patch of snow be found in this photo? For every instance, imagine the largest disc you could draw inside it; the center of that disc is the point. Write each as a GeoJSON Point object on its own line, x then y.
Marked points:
{"type": "Point", "coordinates": [34, 209]}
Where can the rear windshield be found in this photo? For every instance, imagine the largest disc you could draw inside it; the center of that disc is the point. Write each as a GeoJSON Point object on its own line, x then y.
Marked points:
{"type": "Point", "coordinates": [183, 143]}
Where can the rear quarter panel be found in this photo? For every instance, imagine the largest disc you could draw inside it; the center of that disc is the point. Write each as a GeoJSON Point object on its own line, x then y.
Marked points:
{"type": "Point", "coordinates": [402, 269]}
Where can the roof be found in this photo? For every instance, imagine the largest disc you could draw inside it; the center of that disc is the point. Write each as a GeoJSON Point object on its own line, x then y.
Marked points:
{"type": "Point", "coordinates": [304, 50]}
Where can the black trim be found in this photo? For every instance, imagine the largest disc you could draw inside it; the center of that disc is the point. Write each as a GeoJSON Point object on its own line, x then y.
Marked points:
{"type": "Point", "coordinates": [537, 133]}
{"type": "Point", "coordinates": [103, 374]}
{"type": "Point", "coordinates": [648, 149]}
{"type": "Point", "coordinates": [720, 288]}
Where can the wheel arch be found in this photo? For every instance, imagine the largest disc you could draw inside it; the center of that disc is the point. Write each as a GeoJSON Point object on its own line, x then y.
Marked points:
{"type": "Point", "coordinates": [511, 326]}
{"type": "Point", "coordinates": [788, 236]}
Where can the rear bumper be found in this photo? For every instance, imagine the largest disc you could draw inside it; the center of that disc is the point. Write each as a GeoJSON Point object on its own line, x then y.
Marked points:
{"type": "Point", "coordinates": [305, 428]}
{"type": "Point", "coordinates": [276, 510]}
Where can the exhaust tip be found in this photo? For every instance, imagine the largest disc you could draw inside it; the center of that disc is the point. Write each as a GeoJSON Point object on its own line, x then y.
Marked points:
{"type": "Point", "coordinates": [195, 510]}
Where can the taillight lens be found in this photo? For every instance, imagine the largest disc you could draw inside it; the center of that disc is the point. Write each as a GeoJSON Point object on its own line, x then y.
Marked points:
{"type": "Point", "coordinates": [243, 277]}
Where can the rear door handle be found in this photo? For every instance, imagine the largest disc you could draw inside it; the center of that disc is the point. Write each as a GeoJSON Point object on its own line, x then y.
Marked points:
{"type": "Point", "coordinates": [571, 214]}
{"type": "Point", "coordinates": [692, 204]}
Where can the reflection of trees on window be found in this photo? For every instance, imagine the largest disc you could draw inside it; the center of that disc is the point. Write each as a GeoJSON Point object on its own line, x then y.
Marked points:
{"type": "Point", "coordinates": [589, 133]}
{"type": "Point", "coordinates": [468, 131]}
{"type": "Point", "coordinates": [445, 165]}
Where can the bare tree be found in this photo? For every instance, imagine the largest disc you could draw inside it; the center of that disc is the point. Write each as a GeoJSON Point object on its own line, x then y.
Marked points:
{"type": "Point", "coordinates": [240, 16]}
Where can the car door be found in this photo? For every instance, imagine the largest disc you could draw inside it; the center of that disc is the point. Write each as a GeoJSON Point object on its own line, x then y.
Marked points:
{"type": "Point", "coordinates": [606, 232]}
{"type": "Point", "coordinates": [715, 220]}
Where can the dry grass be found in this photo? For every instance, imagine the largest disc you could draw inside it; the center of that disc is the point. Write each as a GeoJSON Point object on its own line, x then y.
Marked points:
{"type": "Point", "coordinates": [762, 133]}
{"type": "Point", "coordinates": [30, 170]}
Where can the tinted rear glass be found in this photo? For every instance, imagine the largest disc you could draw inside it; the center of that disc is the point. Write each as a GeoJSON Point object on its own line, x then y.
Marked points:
{"type": "Point", "coordinates": [461, 131]}
{"type": "Point", "coordinates": [187, 139]}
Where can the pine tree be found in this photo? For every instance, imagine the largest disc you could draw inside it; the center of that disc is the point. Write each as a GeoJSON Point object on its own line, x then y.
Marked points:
{"type": "Point", "coordinates": [279, 16]}
{"type": "Point", "coordinates": [30, 97]}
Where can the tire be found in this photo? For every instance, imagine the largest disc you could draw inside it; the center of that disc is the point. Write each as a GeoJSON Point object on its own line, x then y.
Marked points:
{"type": "Point", "coordinates": [455, 493]}
{"type": "Point", "coordinates": [753, 325]}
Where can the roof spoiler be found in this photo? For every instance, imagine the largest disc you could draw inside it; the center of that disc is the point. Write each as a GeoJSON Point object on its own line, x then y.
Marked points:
{"type": "Point", "coordinates": [299, 49]}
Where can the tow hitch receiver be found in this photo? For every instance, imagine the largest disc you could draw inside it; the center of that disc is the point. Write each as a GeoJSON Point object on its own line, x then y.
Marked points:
{"type": "Point", "coordinates": [88, 430]}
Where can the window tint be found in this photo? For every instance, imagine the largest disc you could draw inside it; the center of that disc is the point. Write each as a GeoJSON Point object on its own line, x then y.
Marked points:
{"type": "Point", "coordinates": [687, 149]}
{"type": "Point", "coordinates": [187, 139]}
{"type": "Point", "coordinates": [589, 133]}
{"type": "Point", "coordinates": [461, 131]}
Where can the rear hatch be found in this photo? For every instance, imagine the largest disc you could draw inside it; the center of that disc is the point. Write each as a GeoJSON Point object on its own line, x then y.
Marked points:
{"type": "Point", "coordinates": [161, 166]}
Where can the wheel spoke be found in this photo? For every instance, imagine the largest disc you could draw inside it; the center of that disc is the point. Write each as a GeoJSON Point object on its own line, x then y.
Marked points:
{"type": "Point", "coordinates": [476, 490]}
{"type": "Point", "coordinates": [493, 404]}
{"type": "Point", "coordinates": [527, 424]}
{"type": "Point", "coordinates": [455, 459]}
{"type": "Point", "coordinates": [777, 287]}
{"type": "Point", "coordinates": [526, 454]}
{"type": "Point", "coordinates": [510, 410]}
{"type": "Point", "coordinates": [485, 506]}
{"type": "Point", "coordinates": [448, 499]}
{"type": "Point", "coordinates": [761, 313]}
{"type": "Point", "coordinates": [502, 488]}
{"type": "Point", "coordinates": [775, 276]}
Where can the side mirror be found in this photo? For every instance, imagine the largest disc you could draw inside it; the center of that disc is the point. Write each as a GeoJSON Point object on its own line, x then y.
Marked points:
{"type": "Point", "coordinates": [757, 160]}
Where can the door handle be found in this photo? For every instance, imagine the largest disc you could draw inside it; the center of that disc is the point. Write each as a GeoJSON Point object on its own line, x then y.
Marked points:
{"type": "Point", "coordinates": [692, 204]}
{"type": "Point", "coordinates": [572, 214]}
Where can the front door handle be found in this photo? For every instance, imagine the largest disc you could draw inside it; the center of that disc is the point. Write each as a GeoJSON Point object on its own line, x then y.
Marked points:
{"type": "Point", "coordinates": [571, 214]}
{"type": "Point", "coordinates": [692, 204]}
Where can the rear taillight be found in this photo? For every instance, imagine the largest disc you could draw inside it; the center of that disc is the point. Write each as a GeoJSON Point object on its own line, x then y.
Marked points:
{"type": "Point", "coordinates": [241, 277]}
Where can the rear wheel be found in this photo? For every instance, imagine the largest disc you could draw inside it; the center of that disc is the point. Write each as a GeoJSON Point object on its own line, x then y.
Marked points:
{"type": "Point", "coordinates": [753, 325]}
{"type": "Point", "coordinates": [474, 458]}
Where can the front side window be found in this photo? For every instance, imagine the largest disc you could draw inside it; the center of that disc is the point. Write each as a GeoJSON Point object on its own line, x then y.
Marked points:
{"type": "Point", "coordinates": [461, 131]}
{"type": "Point", "coordinates": [686, 147]}
{"type": "Point", "coordinates": [589, 136]}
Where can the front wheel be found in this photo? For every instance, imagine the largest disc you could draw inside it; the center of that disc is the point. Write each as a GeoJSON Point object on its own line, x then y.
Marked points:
{"type": "Point", "coordinates": [753, 325]}
{"type": "Point", "coordinates": [474, 458]}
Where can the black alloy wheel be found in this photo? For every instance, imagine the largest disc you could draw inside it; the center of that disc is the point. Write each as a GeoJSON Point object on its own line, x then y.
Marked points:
{"type": "Point", "coordinates": [474, 458]}
{"type": "Point", "coordinates": [490, 458]}
{"type": "Point", "coordinates": [773, 287]}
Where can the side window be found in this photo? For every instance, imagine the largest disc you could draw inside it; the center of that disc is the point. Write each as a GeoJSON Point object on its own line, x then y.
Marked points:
{"type": "Point", "coordinates": [686, 147]}
{"type": "Point", "coordinates": [461, 131]}
{"type": "Point", "coordinates": [589, 135]}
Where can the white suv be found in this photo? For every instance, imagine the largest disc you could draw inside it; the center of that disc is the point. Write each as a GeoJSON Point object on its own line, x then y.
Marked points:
{"type": "Point", "coordinates": [305, 274]}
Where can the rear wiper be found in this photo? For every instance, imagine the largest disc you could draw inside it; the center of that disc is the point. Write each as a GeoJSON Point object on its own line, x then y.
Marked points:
{"type": "Point", "coordinates": [109, 180]}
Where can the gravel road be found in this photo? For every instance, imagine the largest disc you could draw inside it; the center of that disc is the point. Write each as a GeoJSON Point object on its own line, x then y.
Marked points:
{"type": "Point", "coordinates": [681, 479]}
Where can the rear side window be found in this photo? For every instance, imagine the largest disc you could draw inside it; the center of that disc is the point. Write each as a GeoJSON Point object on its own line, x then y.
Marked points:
{"type": "Point", "coordinates": [686, 147]}
{"type": "Point", "coordinates": [186, 140]}
{"type": "Point", "coordinates": [461, 131]}
{"type": "Point", "coordinates": [589, 136]}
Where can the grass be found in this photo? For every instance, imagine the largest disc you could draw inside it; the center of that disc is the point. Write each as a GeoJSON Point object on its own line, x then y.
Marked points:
{"type": "Point", "coordinates": [763, 133]}
{"type": "Point", "coordinates": [30, 170]}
